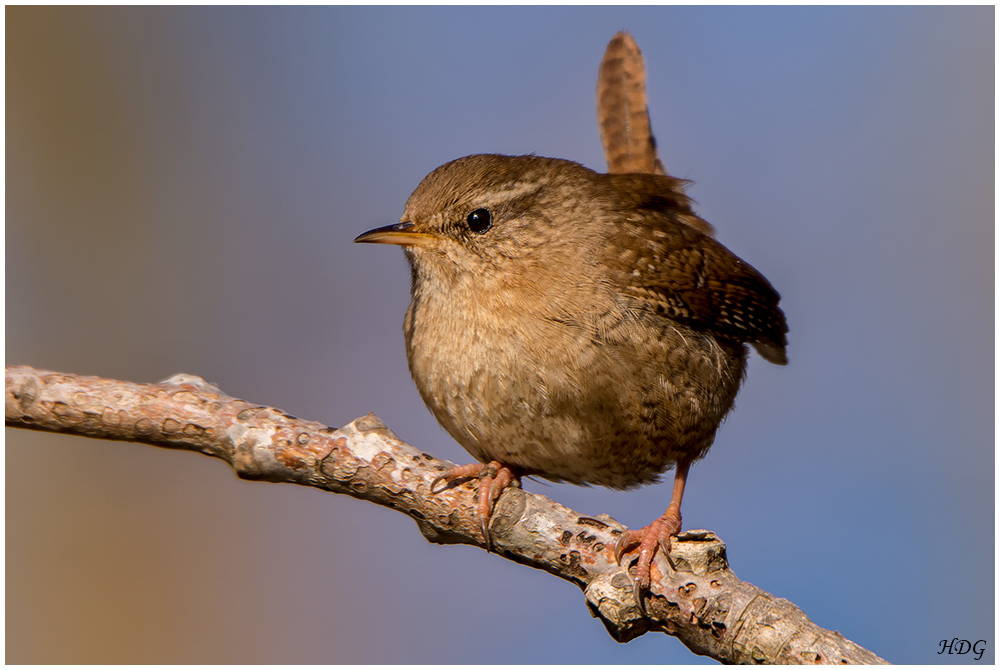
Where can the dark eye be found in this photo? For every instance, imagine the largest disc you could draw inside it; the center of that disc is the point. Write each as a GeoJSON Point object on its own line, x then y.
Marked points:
{"type": "Point", "coordinates": [480, 221]}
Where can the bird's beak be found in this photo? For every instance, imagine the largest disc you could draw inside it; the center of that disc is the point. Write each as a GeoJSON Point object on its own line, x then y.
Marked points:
{"type": "Point", "coordinates": [397, 233]}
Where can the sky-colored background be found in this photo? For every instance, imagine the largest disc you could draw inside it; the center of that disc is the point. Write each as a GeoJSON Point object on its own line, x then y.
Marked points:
{"type": "Point", "coordinates": [183, 186]}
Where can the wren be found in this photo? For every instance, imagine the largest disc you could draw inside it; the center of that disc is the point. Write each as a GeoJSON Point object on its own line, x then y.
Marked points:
{"type": "Point", "coordinates": [576, 326]}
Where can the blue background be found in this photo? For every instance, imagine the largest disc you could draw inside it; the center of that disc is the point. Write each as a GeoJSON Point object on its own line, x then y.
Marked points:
{"type": "Point", "coordinates": [182, 189]}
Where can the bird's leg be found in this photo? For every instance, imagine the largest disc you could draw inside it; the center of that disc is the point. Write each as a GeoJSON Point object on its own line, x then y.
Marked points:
{"type": "Point", "coordinates": [657, 533]}
{"type": "Point", "coordinates": [493, 478]}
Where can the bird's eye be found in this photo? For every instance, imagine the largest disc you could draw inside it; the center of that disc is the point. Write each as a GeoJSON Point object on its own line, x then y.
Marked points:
{"type": "Point", "coordinates": [480, 221]}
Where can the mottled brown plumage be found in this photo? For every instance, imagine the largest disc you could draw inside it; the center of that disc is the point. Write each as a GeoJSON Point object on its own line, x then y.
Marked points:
{"type": "Point", "coordinates": [593, 332]}
{"type": "Point", "coordinates": [622, 115]}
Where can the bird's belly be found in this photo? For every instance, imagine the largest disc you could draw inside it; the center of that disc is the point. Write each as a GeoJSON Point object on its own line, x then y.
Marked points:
{"type": "Point", "coordinates": [556, 404]}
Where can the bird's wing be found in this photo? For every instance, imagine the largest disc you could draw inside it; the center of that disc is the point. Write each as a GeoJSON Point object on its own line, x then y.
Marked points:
{"type": "Point", "coordinates": [684, 275]}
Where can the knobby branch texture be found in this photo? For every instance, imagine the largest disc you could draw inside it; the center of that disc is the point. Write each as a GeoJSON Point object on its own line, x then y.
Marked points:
{"type": "Point", "coordinates": [694, 596]}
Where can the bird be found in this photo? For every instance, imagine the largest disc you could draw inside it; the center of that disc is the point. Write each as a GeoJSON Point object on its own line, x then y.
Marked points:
{"type": "Point", "coordinates": [576, 326]}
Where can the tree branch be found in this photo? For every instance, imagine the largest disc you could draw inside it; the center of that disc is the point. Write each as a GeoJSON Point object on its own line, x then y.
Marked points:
{"type": "Point", "coordinates": [698, 599]}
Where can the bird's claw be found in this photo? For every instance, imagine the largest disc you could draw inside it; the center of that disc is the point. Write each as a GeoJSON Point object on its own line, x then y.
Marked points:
{"type": "Point", "coordinates": [493, 478]}
{"type": "Point", "coordinates": [627, 540]}
{"type": "Point", "coordinates": [457, 473]}
{"type": "Point", "coordinates": [655, 535]}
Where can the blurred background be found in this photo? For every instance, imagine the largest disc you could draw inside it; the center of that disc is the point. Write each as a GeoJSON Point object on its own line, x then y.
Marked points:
{"type": "Point", "coordinates": [182, 188]}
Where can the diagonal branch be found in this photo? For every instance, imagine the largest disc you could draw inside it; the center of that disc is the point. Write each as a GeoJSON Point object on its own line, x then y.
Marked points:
{"type": "Point", "coordinates": [698, 599]}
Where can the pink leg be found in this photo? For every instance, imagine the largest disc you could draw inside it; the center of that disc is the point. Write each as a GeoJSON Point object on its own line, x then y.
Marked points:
{"type": "Point", "coordinates": [493, 477]}
{"type": "Point", "coordinates": [655, 534]}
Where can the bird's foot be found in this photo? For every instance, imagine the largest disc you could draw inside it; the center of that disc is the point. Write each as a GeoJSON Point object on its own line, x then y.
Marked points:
{"type": "Point", "coordinates": [493, 478]}
{"type": "Point", "coordinates": [656, 534]}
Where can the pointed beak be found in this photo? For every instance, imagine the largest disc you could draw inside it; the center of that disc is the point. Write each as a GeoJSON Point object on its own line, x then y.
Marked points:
{"type": "Point", "coordinates": [397, 233]}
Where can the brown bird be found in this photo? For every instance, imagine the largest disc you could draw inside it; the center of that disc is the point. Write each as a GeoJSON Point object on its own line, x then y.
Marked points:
{"type": "Point", "coordinates": [576, 326]}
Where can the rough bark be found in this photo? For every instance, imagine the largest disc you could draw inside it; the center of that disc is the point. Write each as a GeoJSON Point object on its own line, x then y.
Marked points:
{"type": "Point", "coordinates": [695, 597]}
